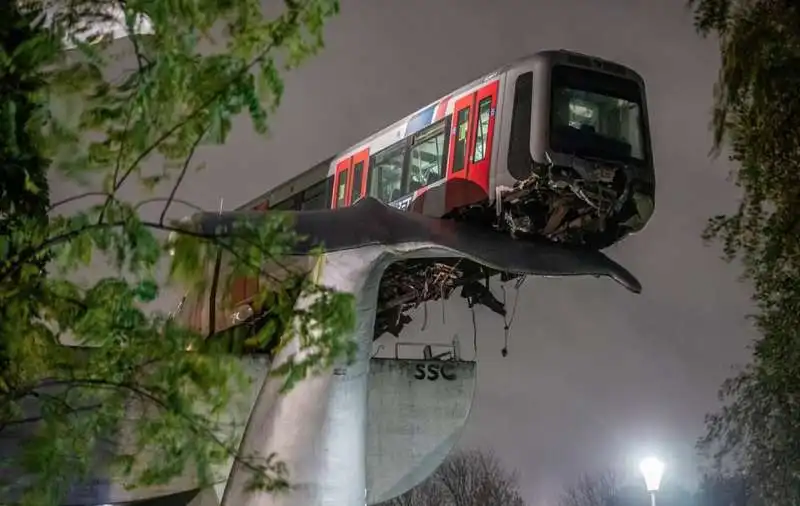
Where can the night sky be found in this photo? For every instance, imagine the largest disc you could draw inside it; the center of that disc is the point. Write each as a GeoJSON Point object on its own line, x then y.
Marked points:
{"type": "Point", "coordinates": [596, 376]}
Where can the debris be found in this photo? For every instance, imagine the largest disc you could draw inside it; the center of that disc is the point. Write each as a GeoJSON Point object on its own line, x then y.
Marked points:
{"type": "Point", "coordinates": [476, 293]}
{"type": "Point", "coordinates": [577, 205]}
{"type": "Point", "coordinates": [408, 284]}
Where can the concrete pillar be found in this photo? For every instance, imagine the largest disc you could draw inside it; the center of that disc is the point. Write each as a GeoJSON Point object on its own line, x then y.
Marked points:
{"type": "Point", "coordinates": [318, 428]}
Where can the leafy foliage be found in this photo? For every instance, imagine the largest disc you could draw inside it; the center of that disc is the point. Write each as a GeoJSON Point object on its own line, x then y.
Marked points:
{"type": "Point", "coordinates": [757, 117]}
{"type": "Point", "coordinates": [205, 62]}
{"type": "Point", "coordinates": [23, 187]}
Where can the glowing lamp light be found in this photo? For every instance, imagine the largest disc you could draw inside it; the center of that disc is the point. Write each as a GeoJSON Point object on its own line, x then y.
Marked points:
{"type": "Point", "coordinates": [652, 469]}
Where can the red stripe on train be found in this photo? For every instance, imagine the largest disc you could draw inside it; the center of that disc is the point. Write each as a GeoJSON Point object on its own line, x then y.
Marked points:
{"type": "Point", "coordinates": [441, 108]}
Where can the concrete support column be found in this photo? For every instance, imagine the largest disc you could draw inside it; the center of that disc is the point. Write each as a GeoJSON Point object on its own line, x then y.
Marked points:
{"type": "Point", "coordinates": [318, 428]}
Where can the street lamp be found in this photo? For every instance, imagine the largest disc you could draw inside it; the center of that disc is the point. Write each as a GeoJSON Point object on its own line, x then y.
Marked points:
{"type": "Point", "coordinates": [652, 469]}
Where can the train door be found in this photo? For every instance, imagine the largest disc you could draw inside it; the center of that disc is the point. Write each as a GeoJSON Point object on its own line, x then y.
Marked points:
{"type": "Point", "coordinates": [460, 135]}
{"type": "Point", "coordinates": [341, 187]}
{"type": "Point", "coordinates": [358, 181]}
{"type": "Point", "coordinates": [480, 156]}
{"type": "Point", "coordinates": [471, 146]}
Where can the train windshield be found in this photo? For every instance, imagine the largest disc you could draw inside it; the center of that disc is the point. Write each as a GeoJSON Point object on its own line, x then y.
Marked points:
{"type": "Point", "coordinates": [596, 115]}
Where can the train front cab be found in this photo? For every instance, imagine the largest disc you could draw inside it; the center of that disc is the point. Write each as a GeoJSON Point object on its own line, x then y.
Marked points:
{"type": "Point", "coordinates": [569, 108]}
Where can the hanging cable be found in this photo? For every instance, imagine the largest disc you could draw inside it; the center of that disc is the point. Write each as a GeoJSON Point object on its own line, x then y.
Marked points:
{"type": "Point", "coordinates": [471, 305]}
{"type": "Point", "coordinates": [474, 331]}
{"type": "Point", "coordinates": [507, 323]}
{"type": "Point", "coordinates": [517, 286]}
{"type": "Point", "coordinates": [504, 350]}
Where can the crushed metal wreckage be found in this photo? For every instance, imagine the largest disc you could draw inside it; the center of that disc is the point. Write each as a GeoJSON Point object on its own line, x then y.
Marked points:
{"type": "Point", "coordinates": [408, 284]}
{"type": "Point", "coordinates": [588, 203]}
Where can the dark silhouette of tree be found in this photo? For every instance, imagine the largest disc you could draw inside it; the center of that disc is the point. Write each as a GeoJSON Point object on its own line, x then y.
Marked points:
{"type": "Point", "coordinates": [729, 490]}
{"type": "Point", "coordinates": [466, 478]}
{"type": "Point", "coordinates": [23, 183]}
{"type": "Point", "coordinates": [24, 191]}
{"type": "Point", "coordinates": [428, 493]}
{"type": "Point", "coordinates": [606, 489]}
{"type": "Point", "coordinates": [756, 120]}
{"type": "Point", "coordinates": [600, 489]}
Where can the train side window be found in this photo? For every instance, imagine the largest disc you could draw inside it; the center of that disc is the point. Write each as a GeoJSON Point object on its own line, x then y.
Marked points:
{"type": "Point", "coordinates": [341, 188]}
{"type": "Point", "coordinates": [519, 151]}
{"type": "Point", "coordinates": [427, 158]}
{"type": "Point", "coordinates": [329, 192]}
{"type": "Point", "coordinates": [387, 174]}
{"type": "Point", "coordinates": [358, 174]}
{"type": "Point", "coordinates": [482, 132]}
{"type": "Point", "coordinates": [314, 197]}
{"type": "Point", "coordinates": [460, 152]}
{"type": "Point", "coordinates": [286, 205]}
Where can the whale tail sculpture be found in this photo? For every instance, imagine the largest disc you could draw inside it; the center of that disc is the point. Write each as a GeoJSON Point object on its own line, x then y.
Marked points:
{"type": "Point", "coordinates": [365, 431]}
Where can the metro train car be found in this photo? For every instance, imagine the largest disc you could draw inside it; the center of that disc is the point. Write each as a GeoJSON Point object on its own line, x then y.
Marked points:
{"type": "Point", "coordinates": [556, 145]}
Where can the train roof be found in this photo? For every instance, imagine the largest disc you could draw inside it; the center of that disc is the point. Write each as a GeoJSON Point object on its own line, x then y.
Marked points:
{"type": "Point", "coordinates": [316, 173]}
{"type": "Point", "coordinates": [564, 55]}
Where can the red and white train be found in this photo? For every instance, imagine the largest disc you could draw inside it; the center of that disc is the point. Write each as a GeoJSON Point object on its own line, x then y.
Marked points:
{"type": "Point", "coordinates": [555, 145]}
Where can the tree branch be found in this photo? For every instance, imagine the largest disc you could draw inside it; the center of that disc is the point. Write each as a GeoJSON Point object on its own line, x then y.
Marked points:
{"type": "Point", "coordinates": [142, 393]}
{"type": "Point", "coordinates": [114, 185]}
{"type": "Point", "coordinates": [185, 167]}
{"type": "Point", "coordinates": [31, 252]}
{"type": "Point", "coordinates": [174, 201]}
{"type": "Point", "coordinates": [79, 196]}
{"type": "Point", "coordinates": [133, 37]}
{"type": "Point", "coordinates": [32, 419]}
{"type": "Point", "coordinates": [203, 106]}
{"type": "Point", "coordinates": [193, 425]}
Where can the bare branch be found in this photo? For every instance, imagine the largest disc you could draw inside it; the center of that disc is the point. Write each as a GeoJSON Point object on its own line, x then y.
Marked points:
{"type": "Point", "coordinates": [599, 489]}
{"type": "Point", "coordinates": [186, 203]}
{"type": "Point", "coordinates": [180, 124]}
{"type": "Point", "coordinates": [141, 59]}
{"type": "Point", "coordinates": [466, 478]}
{"type": "Point", "coordinates": [182, 174]}
{"type": "Point", "coordinates": [74, 198]}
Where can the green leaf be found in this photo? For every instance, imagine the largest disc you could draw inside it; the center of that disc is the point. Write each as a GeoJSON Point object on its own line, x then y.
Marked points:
{"type": "Point", "coordinates": [151, 182]}
{"type": "Point", "coordinates": [30, 185]}
{"type": "Point", "coordinates": [109, 129]}
{"type": "Point", "coordinates": [147, 290]}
